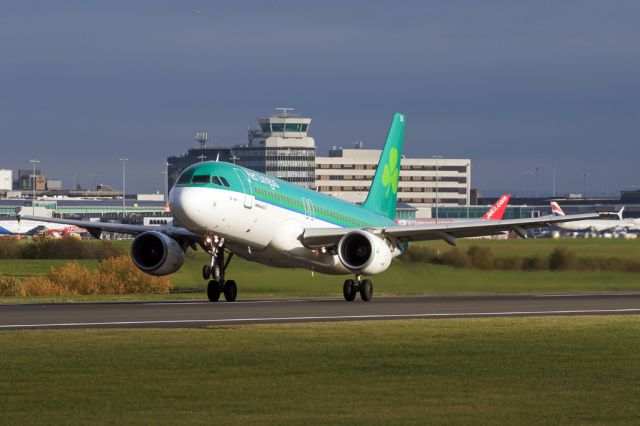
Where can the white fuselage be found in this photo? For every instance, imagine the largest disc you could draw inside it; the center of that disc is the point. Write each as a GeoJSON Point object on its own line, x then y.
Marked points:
{"type": "Point", "coordinates": [23, 227]}
{"type": "Point", "coordinates": [600, 225]}
{"type": "Point", "coordinates": [253, 229]}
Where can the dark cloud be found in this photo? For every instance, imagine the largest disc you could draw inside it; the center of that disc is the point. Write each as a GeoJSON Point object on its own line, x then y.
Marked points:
{"type": "Point", "coordinates": [513, 86]}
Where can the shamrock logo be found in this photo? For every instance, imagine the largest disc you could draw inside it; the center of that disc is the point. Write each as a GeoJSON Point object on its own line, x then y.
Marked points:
{"type": "Point", "coordinates": [391, 172]}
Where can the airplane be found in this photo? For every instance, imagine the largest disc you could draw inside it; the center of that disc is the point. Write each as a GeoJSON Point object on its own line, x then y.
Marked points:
{"type": "Point", "coordinates": [495, 212]}
{"type": "Point", "coordinates": [230, 210]}
{"type": "Point", "coordinates": [597, 225]}
{"type": "Point", "coordinates": [30, 228]}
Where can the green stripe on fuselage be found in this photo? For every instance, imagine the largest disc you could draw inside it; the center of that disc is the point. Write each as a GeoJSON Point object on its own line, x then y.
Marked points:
{"type": "Point", "coordinates": [269, 189]}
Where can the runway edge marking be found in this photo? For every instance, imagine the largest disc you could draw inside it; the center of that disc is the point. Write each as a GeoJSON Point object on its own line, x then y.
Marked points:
{"type": "Point", "coordinates": [328, 317]}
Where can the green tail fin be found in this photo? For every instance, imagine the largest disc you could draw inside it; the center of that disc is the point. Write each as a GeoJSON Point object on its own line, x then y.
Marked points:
{"type": "Point", "coordinates": [384, 189]}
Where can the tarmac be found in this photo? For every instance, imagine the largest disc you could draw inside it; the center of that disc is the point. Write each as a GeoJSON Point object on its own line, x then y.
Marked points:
{"type": "Point", "coordinates": [200, 313]}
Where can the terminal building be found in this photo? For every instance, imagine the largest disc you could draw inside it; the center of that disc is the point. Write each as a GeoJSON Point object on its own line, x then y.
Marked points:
{"type": "Point", "coordinates": [424, 182]}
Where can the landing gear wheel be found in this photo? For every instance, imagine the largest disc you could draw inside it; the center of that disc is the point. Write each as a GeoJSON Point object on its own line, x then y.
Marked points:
{"type": "Point", "coordinates": [230, 291]}
{"type": "Point", "coordinates": [349, 290]}
{"type": "Point", "coordinates": [216, 272]}
{"type": "Point", "coordinates": [366, 290]}
{"type": "Point", "coordinates": [206, 272]}
{"type": "Point", "coordinates": [213, 291]}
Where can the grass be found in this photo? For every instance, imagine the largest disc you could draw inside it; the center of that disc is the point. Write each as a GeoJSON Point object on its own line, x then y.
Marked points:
{"type": "Point", "coordinates": [255, 280]}
{"type": "Point", "coordinates": [587, 247]}
{"type": "Point", "coordinates": [498, 371]}
{"type": "Point", "coordinates": [30, 267]}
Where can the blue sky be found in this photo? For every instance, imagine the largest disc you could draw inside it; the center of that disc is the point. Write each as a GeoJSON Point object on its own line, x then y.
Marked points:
{"type": "Point", "coordinates": [511, 85]}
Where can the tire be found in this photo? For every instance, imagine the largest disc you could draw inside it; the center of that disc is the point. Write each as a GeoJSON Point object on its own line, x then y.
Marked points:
{"type": "Point", "coordinates": [216, 272]}
{"type": "Point", "coordinates": [213, 291]}
{"type": "Point", "coordinates": [349, 290]}
{"type": "Point", "coordinates": [206, 272]}
{"type": "Point", "coordinates": [230, 291]}
{"type": "Point", "coordinates": [366, 290]}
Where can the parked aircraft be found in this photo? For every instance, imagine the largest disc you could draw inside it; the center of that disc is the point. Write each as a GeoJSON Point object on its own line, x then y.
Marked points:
{"type": "Point", "coordinates": [610, 222]}
{"type": "Point", "coordinates": [229, 210]}
{"type": "Point", "coordinates": [33, 227]}
{"type": "Point", "coordinates": [495, 212]}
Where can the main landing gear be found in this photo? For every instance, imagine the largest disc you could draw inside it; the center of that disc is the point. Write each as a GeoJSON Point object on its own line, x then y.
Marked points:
{"type": "Point", "coordinates": [216, 272]}
{"type": "Point", "coordinates": [352, 287]}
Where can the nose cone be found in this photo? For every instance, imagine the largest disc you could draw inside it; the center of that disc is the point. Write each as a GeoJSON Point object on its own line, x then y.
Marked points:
{"type": "Point", "coordinates": [188, 207]}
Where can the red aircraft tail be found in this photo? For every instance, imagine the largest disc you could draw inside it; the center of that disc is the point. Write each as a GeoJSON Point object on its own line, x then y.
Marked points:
{"type": "Point", "coordinates": [497, 210]}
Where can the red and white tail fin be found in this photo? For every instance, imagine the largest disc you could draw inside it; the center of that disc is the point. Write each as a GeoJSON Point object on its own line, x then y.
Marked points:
{"type": "Point", "coordinates": [556, 210]}
{"type": "Point", "coordinates": [497, 210]}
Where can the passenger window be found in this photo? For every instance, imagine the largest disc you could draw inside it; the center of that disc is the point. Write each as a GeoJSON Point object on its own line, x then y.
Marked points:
{"type": "Point", "coordinates": [224, 181]}
{"type": "Point", "coordinates": [215, 180]}
{"type": "Point", "coordinates": [200, 179]}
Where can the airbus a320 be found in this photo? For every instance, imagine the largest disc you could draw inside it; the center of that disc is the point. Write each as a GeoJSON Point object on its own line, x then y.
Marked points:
{"type": "Point", "coordinates": [229, 210]}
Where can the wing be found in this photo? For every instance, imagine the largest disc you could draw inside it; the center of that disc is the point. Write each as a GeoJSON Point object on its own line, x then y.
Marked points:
{"type": "Point", "coordinates": [329, 237]}
{"type": "Point", "coordinates": [96, 228]}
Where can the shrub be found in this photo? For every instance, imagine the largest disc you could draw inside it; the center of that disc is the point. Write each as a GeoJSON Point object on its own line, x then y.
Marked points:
{"type": "Point", "coordinates": [117, 275]}
{"type": "Point", "coordinates": [514, 263]}
{"type": "Point", "coordinates": [481, 257]}
{"type": "Point", "coordinates": [419, 254]}
{"type": "Point", "coordinates": [62, 248]}
{"type": "Point", "coordinates": [456, 258]}
{"type": "Point", "coordinates": [561, 258]}
{"type": "Point", "coordinates": [120, 275]}
{"type": "Point", "coordinates": [9, 286]}
{"type": "Point", "coordinates": [39, 286]}
{"type": "Point", "coordinates": [9, 248]}
{"type": "Point", "coordinates": [535, 263]}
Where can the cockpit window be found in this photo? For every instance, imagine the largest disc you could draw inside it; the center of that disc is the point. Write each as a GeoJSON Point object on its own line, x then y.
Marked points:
{"type": "Point", "coordinates": [185, 177]}
{"type": "Point", "coordinates": [224, 181]}
{"type": "Point", "coordinates": [215, 180]}
{"type": "Point", "coordinates": [200, 179]}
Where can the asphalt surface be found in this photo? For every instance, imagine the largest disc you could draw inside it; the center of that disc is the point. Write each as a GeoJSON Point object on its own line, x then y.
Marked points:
{"type": "Point", "coordinates": [203, 313]}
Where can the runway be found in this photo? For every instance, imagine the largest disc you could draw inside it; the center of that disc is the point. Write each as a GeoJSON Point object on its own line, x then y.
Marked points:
{"type": "Point", "coordinates": [200, 313]}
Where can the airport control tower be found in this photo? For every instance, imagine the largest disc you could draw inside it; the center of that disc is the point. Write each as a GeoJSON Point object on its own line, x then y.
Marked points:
{"type": "Point", "coordinates": [282, 147]}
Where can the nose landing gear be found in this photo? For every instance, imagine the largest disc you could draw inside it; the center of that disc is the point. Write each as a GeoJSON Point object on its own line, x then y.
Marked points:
{"type": "Point", "coordinates": [216, 271]}
{"type": "Point", "coordinates": [352, 287]}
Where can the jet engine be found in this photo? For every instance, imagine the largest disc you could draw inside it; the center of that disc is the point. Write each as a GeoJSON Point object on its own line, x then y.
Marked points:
{"type": "Point", "coordinates": [156, 253]}
{"type": "Point", "coordinates": [364, 253]}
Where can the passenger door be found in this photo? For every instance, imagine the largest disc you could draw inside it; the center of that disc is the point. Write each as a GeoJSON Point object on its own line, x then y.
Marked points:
{"type": "Point", "coordinates": [246, 187]}
{"type": "Point", "coordinates": [309, 210]}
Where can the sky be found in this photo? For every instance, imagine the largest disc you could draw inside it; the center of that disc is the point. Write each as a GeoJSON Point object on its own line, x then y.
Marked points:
{"type": "Point", "coordinates": [514, 86]}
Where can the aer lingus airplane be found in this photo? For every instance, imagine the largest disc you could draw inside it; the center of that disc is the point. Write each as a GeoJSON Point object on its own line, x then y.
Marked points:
{"type": "Point", "coordinates": [230, 210]}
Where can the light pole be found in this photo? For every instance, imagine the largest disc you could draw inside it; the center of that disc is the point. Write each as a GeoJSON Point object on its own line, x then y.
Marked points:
{"type": "Point", "coordinates": [124, 191]}
{"type": "Point", "coordinates": [527, 173]}
{"type": "Point", "coordinates": [537, 182]}
{"type": "Point", "coordinates": [555, 169]}
{"type": "Point", "coordinates": [437, 157]}
{"type": "Point", "coordinates": [166, 182]}
{"type": "Point", "coordinates": [95, 182]}
{"type": "Point", "coordinates": [33, 180]}
{"type": "Point", "coordinates": [201, 138]}
{"type": "Point", "coordinates": [468, 187]}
